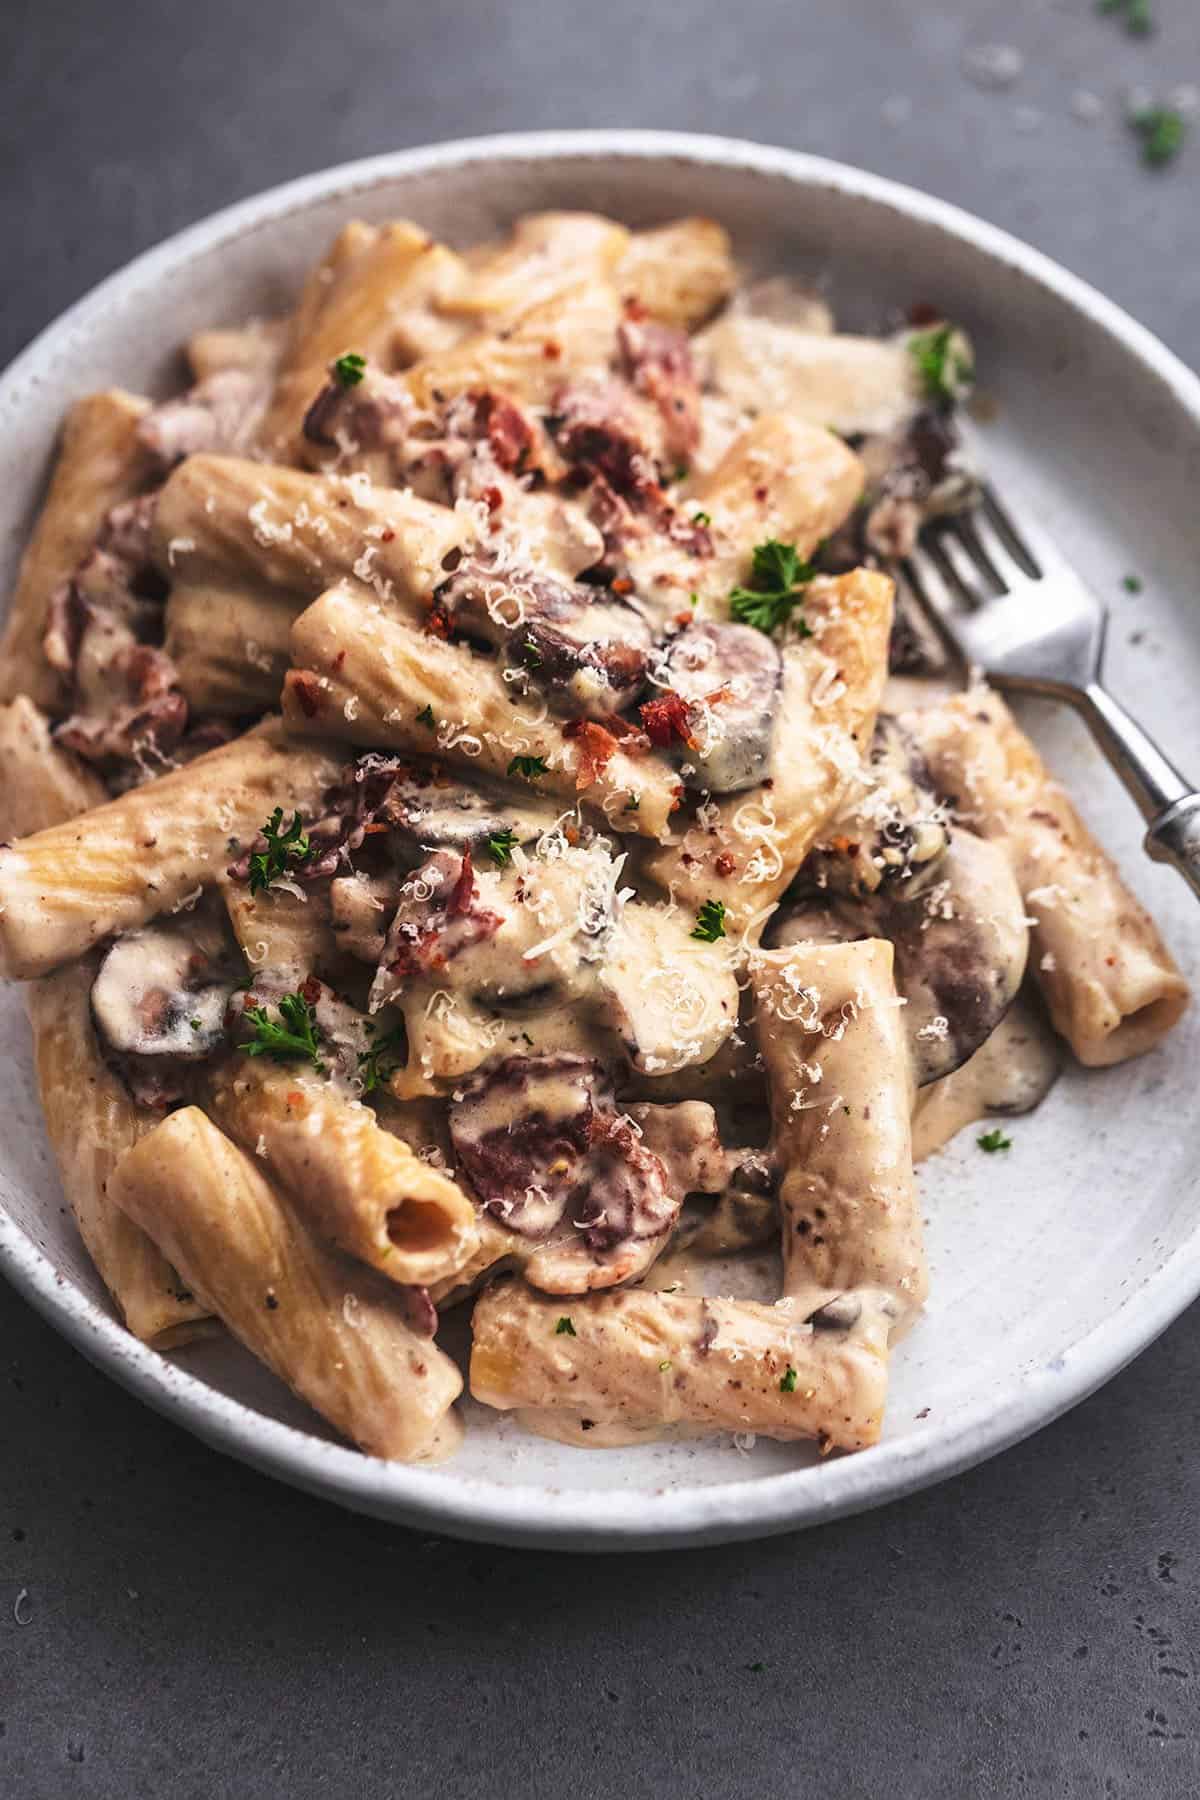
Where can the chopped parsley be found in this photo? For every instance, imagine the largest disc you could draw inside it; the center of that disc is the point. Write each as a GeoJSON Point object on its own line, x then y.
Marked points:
{"type": "Point", "coordinates": [778, 577]}
{"type": "Point", "coordinates": [632, 804]}
{"type": "Point", "coordinates": [941, 363]}
{"type": "Point", "coordinates": [283, 847]}
{"type": "Point", "coordinates": [299, 1035]}
{"type": "Point", "coordinates": [349, 370]}
{"type": "Point", "coordinates": [1162, 131]}
{"type": "Point", "coordinates": [1139, 20]}
{"type": "Point", "coordinates": [701, 518]}
{"type": "Point", "coordinates": [710, 922]}
{"type": "Point", "coordinates": [425, 717]}
{"type": "Point", "coordinates": [531, 654]}
{"type": "Point", "coordinates": [681, 472]}
{"type": "Point", "coordinates": [664, 1365]}
{"type": "Point", "coordinates": [787, 1381]}
{"type": "Point", "coordinates": [991, 1141]}
{"type": "Point", "coordinates": [755, 1668]}
{"type": "Point", "coordinates": [1132, 584]}
{"type": "Point", "coordinates": [564, 1328]}
{"type": "Point", "coordinates": [501, 845]}
{"type": "Point", "coordinates": [528, 766]}
{"type": "Point", "coordinates": [381, 1061]}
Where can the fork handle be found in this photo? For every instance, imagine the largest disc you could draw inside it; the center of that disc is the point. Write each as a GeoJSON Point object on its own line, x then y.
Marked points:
{"type": "Point", "coordinates": [1168, 803]}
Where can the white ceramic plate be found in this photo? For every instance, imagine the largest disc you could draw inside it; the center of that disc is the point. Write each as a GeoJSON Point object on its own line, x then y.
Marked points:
{"type": "Point", "coordinates": [1053, 1266]}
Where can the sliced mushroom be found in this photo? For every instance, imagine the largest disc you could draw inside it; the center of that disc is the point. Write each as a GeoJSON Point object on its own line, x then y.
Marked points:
{"type": "Point", "coordinates": [585, 648]}
{"type": "Point", "coordinates": [438, 815]}
{"type": "Point", "coordinates": [960, 947]}
{"type": "Point", "coordinates": [163, 991]}
{"type": "Point", "coordinates": [543, 1145]}
{"type": "Point", "coordinates": [672, 999]}
{"type": "Point", "coordinates": [730, 675]}
{"type": "Point", "coordinates": [687, 1143]}
{"type": "Point", "coordinates": [891, 830]}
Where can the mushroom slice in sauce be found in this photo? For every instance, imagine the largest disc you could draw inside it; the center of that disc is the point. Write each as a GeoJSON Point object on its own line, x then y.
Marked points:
{"type": "Point", "coordinates": [585, 649]}
{"type": "Point", "coordinates": [550, 1156]}
{"type": "Point", "coordinates": [730, 675]}
{"type": "Point", "coordinates": [960, 946]}
{"type": "Point", "coordinates": [672, 999]}
{"type": "Point", "coordinates": [441, 815]}
{"type": "Point", "coordinates": [892, 830]}
{"type": "Point", "coordinates": [163, 991]}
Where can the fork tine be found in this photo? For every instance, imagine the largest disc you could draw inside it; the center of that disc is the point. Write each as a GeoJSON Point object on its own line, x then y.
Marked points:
{"type": "Point", "coordinates": [933, 614]}
{"type": "Point", "coordinates": [1008, 534]}
{"type": "Point", "coordinates": [953, 570]}
{"type": "Point", "coordinates": [962, 526]}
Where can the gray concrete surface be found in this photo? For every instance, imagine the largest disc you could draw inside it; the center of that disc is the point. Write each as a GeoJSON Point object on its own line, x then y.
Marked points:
{"type": "Point", "coordinates": [196, 1632]}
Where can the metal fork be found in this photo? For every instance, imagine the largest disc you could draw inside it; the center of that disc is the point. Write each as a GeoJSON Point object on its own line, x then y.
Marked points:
{"type": "Point", "coordinates": [1008, 601]}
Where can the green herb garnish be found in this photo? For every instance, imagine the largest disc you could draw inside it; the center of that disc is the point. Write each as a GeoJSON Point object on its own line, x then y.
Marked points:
{"type": "Point", "coordinates": [701, 518]}
{"type": "Point", "coordinates": [531, 653]}
{"type": "Point", "coordinates": [664, 1365]}
{"type": "Point", "coordinates": [787, 1383]}
{"type": "Point", "coordinates": [710, 922]}
{"type": "Point", "coordinates": [501, 845]}
{"type": "Point", "coordinates": [299, 1034]}
{"type": "Point", "coordinates": [382, 1060]}
{"type": "Point", "coordinates": [283, 847]}
{"type": "Point", "coordinates": [425, 717]}
{"type": "Point", "coordinates": [1132, 584]}
{"type": "Point", "coordinates": [1139, 20]}
{"type": "Point", "coordinates": [632, 804]}
{"type": "Point", "coordinates": [528, 766]}
{"type": "Point", "coordinates": [991, 1141]}
{"type": "Point", "coordinates": [778, 577]}
{"type": "Point", "coordinates": [1162, 132]}
{"type": "Point", "coordinates": [941, 364]}
{"type": "Point", "coordinates": [564, 1328]}
{"type": "Point", "coordinates": [349, 370]}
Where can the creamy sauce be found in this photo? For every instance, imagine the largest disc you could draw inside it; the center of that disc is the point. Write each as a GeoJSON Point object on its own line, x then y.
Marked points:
{"type": "Point", "coordinates": [1011, 1073]}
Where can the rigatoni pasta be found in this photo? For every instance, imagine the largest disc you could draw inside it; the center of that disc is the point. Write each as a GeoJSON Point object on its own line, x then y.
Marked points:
{"type": "Point", "coordinates": [586, 920]}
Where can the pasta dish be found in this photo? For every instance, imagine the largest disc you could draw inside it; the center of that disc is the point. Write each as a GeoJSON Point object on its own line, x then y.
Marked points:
{"type": "Point", "coordinates": [482, 830]}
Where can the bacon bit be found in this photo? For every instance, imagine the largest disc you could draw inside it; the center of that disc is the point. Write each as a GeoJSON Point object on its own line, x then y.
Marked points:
{"type": "Point", "coordinates": [667, 720]}
{"type": "Point", "coordinates": [438, 623]}
{"type": "Point", "coordinates": [509, 433]}
{"type": "Point", "coordinates": [551, 351]}
{"type": "Point", "coordinates": [310, 988]}
{"type": "Point", "coordinates": [725, 864]}
{"type": "Point", "coordinates": [922, 313]}
{"type": "Point", "coordinates": [294, 1097]}
{"type": "Point", "coordinates": [683, 618]}
{"type": "Point", "coordinates": [374, 828]}
{"type": "Point", "coordinates": [463, 891]}
{"type": "Point", "coordinates": [622, 585]}
{"type": "Point", "coordinates": [596, 749]}
{"type": "Point", "coordinates": [339, 659]}
{"type": "Point", "coordinates": [676, 795]}
{"type": "Point", "coordinates": [635, 308]}
{"type": "Point", "coordinates": [307, 689]}
{"type": "Point", "coordinates": [492, 498]}
{"type": "Point", "coordinates": [760, 493]}
{"type": "Point", "coordinates": [387, 537]}
{"type": "Point", "coordinates": [571, 833]}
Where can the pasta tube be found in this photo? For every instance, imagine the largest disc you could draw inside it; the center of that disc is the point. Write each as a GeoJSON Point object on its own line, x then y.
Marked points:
{"type": "Point", "coordinates": [149, 851]}
{"type": "Point", "coordinates": [42, 784]}
{"type": "Point", "coordinates": [229, 522]}
{"type": "Point", "coordinates": [642, 1359]}
{"type": "Point", "coordinates": [373, 680]}
{"type": "Point", "coordinates": [229, 644]}
{"type": "Point", "coordinates": [544, 253]}
{"type": "Point", "coordinates": [91, 1122]}
{"type": "Point", "coordinates": [680, 272]}
{"type": "Point", "coordinates": [100, 464]}
{"type": "Point", "coordinates": [831, 1035]}
{"type": "Point", "coordinates": [355, 1182]}
{"type": "Point", "coordinates": [832, 685]}
{"type": "Point", "coordinates": [1111, 985]}
{"type": "Point", "coordinates": [336, 1335]}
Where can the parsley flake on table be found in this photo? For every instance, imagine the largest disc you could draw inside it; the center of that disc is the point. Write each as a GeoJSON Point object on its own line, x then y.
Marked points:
{"type": "Point", "coordinates": [710, 922]}
{"type": "Point", "coordinates": [778, 578]}
{"type": "Point", "coordinates": [299, 1034]}
{"type": "Point", "coordinates": [1132, 584]}
{"type": "Point", "coordinates": [787, 1382]}
{"type": "Point", "coordinates": [349, 370]}
{"type": "Point", "coordinates": [942, 363]}
{"type": "Point", "coordinates": [1139, 20]}
{"type": "Point", "coordinates": [528, 766]}
{"type": "Point", "coordinates": [564, 1328]}
{"type": "Point", "coordinates": [501, 845]}
{"type": "Point", "coordinates": [1162, 131]}
{"type": "Point", "coordinates": [991, 1141]}
{"type": "Point", "coordinates": [283, 847]}
{"type": "Point", "coordinates": [425, 717]}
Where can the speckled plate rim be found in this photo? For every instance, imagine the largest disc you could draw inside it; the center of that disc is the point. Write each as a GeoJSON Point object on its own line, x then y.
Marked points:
{"type": "Point", "coordinates": [439, 1499]}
